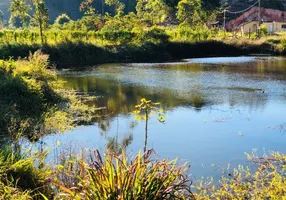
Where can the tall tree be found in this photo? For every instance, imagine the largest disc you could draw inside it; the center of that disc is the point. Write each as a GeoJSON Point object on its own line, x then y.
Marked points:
{"type": "Point", "coordinates": [34, 11]}
{"type": "Point", "coordinates": [189, 11]}
{"type": "Point", "coordinates": [152, 11]}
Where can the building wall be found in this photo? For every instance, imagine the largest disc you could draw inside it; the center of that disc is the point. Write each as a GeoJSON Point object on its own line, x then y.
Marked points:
{"type": "Point", "coordinates": [250, 27]}
{"type": "Point", "coordinates": [271, 27]}
{"type": "Point", "coordinates": [279, 26]}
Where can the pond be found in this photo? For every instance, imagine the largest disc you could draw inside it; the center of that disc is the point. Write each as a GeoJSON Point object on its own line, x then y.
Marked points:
{"type": "Point", "coordinates": [217, 109]}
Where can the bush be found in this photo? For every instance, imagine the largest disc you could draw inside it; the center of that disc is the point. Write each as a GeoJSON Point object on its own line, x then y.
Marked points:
{"type": "Point", "coordinates": [263, 30]}
{"type": "Point", "coordinates": [120, 36]}
{"type": "Point", "coordinates": [155, 35]}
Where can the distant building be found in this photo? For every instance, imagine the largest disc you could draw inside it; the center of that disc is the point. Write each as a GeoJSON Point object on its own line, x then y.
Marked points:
{"type": "Point", "coordinates": [274, 20]}
{"type": "Point", "coordinates": [252, 26]}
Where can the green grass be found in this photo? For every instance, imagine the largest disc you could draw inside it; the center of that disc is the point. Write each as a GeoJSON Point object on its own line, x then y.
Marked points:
{"type": "Point", "coordinates": [33, 102]}
{"type": "Point", "coordinates": [80, 48]}
{"type": "Point", "coordinates": [80, 54]}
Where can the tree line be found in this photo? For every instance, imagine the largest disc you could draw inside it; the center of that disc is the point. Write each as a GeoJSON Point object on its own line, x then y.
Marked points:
{"type": "Point", "coordinates": [34, 13]}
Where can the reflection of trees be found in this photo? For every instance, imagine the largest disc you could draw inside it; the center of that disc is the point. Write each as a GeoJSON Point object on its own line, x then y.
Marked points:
{"type": "Point", "coordinates": [118, 98]}
{"type": "Point", "coordinates": [116, 146]}
{"type": "Point", "coordinates": [121, 99]}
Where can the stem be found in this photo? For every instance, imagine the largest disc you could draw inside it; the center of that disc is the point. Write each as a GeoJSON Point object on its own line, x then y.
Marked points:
{"type": "Point", "coordinates": [146, 130]}
{"type": "Point", "coordinates": [41, 32]}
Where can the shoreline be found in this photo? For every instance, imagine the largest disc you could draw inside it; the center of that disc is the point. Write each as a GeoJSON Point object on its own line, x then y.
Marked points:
{"type": "Point", "coordinates": [81, 54]}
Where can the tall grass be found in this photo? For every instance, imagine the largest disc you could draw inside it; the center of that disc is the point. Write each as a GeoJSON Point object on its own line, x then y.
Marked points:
{"type": "Point", "coordinates": [33, 102]}
{"type": "Point", "coordinates": [23, 175]}
{"type": "Point", "coordinates": [117, 177]}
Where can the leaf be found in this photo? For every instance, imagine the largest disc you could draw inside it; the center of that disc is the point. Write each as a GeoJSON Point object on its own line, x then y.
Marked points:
{"type": "Point", "coordinates": [44, 196]}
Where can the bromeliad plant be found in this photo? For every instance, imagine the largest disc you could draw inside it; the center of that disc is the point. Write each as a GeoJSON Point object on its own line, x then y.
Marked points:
{"type": "Point", "coordinates": [113, 177]}
{"type": "Point", "coordinates": [144, 111]}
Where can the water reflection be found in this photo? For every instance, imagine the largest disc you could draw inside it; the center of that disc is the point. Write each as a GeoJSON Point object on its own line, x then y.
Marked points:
{"type": "Point", "coordinates": [215, 112]}
{"type": "Point", "coordinates": [195, 85]}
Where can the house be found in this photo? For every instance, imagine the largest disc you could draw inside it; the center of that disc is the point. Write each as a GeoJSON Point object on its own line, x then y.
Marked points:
{"type": "Point", "coordinates": [253, 26]}
{"type": "Point", "coordinates": [274, 20]}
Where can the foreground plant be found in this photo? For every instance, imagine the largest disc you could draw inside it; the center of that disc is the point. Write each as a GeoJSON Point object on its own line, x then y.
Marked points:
{"type": "Point", "coordinates": [113, 177]}
{"type": "Point", "coordinates": [23, 175]}
{"type": "Point", "coordinates": [266, 181]}
{"type": "Point", "coordinates": [145, 110]}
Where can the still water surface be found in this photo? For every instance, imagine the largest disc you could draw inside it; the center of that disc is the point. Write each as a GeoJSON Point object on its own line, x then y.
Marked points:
{"type": "Point", "coordinates": [216, 108]}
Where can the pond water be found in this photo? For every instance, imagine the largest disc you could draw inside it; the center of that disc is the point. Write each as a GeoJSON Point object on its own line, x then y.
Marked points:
{"type": "Point", "coordinates": [217, 109]}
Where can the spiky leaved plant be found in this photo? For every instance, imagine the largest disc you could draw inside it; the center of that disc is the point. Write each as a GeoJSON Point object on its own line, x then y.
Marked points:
{"type": "Point", "coordinates": [112, 177]}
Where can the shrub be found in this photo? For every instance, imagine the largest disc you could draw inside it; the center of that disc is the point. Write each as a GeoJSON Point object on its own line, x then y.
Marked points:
{"type": "Point", "coordinates": [155, 35]}
{"type": "Point", "coordinates": [263, 30]}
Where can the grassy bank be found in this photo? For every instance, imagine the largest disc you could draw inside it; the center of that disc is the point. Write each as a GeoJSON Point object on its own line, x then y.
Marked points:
{"type": "Point", "coordinates": [33, 102]}
{"type": "Point", "coordinates": [80, 48]}
{"type": "Point", "coordinates": [68, 54]}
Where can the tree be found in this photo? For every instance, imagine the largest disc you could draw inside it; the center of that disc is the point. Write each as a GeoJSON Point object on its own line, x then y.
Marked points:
{"type": "Point", "coordinates": [87, 7]}
{"type": "Point", "coordinates": [2, 21]}
{"type": "Point", "coordinates": [39, 16]}
{"type": "Point", "coordinates": [119, 7]}
{"type": "Point", "coordinates": [152, 11]}
{"type": "Point", "coordinates": [1, 17]}
{"type": "Point", "coordinates": [189, 11]}
{"type": "Point", "coordinates": [62, 19]}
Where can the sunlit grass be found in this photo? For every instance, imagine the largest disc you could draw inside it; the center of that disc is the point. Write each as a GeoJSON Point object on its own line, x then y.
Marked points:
{"type": "Point", "coordinates": [117, 177]}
